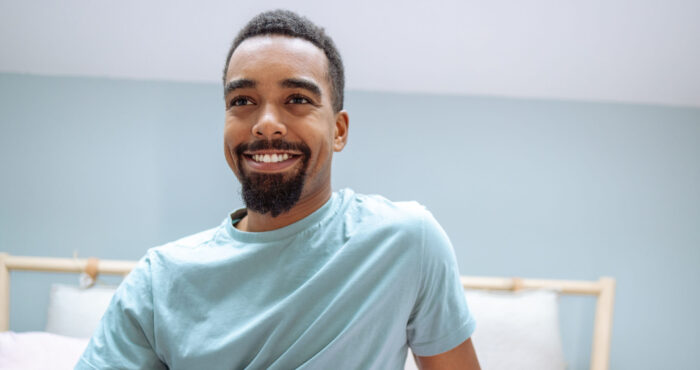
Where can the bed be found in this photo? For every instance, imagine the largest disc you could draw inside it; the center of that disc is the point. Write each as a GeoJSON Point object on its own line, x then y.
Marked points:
{"type": "Point", "coordinates": [507, 310]}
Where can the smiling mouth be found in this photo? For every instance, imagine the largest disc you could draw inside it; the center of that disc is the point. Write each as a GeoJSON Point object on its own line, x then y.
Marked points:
{"type": "Point", "coordinates": [271, 157]}
{"type": "Point", "coordinates": [271, 160]}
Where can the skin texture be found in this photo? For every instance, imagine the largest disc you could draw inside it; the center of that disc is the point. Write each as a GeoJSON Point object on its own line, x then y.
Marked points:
{"type": "Point", "coordinates": [462, 357]}
{"type": "Point", "coordinates": [270, 110]}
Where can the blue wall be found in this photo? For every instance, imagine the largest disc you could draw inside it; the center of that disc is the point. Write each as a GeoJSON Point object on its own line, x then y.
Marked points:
{"type": "Point", "coordinates": [528, 188]}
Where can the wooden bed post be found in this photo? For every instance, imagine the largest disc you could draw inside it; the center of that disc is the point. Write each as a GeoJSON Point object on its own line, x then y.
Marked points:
{"type": "Point", "coordinates": [602, 326]}
{"type": "Point", "coordinates": [4, 294]}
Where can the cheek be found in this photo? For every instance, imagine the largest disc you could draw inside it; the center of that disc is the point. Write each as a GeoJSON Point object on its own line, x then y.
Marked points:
{"type": "Point", "coordinates": [229, 137]}
{"type": "Point", "coordinates": [324, 152]}
{"type": "Point", "coordinates": [229, 158]}
{"type": "Point", "coordinates": [232, 137]}
{"type": "Point", "coordinates": [235, 133]}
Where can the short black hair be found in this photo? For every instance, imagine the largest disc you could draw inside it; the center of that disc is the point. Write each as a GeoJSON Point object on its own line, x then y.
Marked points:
{"type": "Point", "coordinates": [285, 22]}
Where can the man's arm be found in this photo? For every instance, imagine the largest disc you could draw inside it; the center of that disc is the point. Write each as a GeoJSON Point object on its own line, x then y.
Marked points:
{"type": "Point", "coordinates": [461, 357]}
{"type": "Point", "coordinates": [440, 325]}
{"type": "Point", "coordinates": [125, 336]}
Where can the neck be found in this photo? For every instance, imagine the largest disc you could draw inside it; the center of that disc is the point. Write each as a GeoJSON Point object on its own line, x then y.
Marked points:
{"type": "Point", "coordinates": [256, 222]}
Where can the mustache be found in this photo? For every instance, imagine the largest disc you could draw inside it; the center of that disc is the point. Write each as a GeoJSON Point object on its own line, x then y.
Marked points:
{"type": "Point", "coordinates": [278, 144]}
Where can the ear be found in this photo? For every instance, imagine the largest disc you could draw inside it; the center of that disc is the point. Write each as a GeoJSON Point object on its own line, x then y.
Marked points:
{"type": "Point", "coordinates": [340, 138]}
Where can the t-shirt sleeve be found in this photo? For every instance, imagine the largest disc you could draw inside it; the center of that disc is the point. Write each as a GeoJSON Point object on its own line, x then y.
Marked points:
{"type": "Point", "coordinates": [124, 338]}
{"type": "Point", "coordinates": [440, 319]}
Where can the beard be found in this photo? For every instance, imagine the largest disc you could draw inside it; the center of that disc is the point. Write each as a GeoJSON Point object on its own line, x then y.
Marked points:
{"type": "Point", "coordinates": [272, 193]}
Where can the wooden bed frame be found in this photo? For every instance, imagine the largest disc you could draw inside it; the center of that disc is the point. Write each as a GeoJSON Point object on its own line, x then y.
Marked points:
{"type": "Point", "coordinates": [603, 289]}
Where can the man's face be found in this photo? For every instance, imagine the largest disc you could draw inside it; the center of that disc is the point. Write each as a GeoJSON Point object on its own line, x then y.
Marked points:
{"type": "Point", "coordinates": [280, 129]}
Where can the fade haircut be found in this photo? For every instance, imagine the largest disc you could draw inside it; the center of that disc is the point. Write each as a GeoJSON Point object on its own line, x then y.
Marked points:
{"type": "Point", "coordinates": [285, 22]}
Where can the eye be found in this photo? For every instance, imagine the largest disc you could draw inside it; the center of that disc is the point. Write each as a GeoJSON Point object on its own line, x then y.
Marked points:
{"type": "Point", "coordinates": [298, 99]}
{"type": "Point", "coordinates": [239, 101]}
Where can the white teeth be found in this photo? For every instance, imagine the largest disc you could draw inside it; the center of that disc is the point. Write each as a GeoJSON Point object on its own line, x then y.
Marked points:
{"type": "Point", "coordinates": [267, 158]}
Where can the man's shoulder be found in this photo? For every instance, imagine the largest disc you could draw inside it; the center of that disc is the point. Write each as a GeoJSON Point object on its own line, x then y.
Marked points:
{"type": "Point", "coordinates": [378, 210]}
{"type": "Point", "coordinates": [198, 239]}
{"type": "Point", "coordinates": [186, 244]}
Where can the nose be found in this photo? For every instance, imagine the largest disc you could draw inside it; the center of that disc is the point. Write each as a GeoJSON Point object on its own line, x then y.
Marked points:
{"type": "Point", "coordinates": [269, 125]}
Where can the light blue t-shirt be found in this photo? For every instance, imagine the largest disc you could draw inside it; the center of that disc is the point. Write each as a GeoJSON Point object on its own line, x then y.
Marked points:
{"type": "Point", "coordinates": [348, 287]}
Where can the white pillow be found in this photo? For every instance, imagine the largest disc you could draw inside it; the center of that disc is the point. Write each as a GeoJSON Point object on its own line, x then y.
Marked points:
{"type": "Point", "coordinates": [514, 331]}
{"type": "Point", "coordinates": [76, 312]}
{"type": "Point", "coordinates": [39, 350]}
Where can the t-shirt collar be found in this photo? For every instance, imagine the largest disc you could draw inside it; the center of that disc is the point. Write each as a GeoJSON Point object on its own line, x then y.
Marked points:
{"type": "Point", "coordinates": [328, 209]}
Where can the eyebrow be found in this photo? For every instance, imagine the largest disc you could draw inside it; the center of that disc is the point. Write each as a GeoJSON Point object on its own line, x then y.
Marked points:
{"type": "Point", "coordinates": [293, 83]}
{"type": "Point", "coordinates": [238, 84]}
{"type": "Point", "coordinates": [302, 84]}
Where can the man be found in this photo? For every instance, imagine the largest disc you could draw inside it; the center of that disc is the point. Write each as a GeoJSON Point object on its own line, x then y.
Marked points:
{"type": "Point", "coordinates": [302, 277]}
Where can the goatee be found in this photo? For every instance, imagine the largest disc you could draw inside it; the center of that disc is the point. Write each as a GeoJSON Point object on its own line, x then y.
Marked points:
{"type": "Point", "coordinates": [272, 193]}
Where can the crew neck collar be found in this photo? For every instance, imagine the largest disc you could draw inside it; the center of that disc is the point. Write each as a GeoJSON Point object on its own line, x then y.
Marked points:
{"type": "Point", "coordinates": [327, 210]}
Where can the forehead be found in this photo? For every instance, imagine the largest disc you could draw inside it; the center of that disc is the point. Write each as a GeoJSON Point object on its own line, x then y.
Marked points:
{"type": "Point", "coordinates": [276, 57]}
